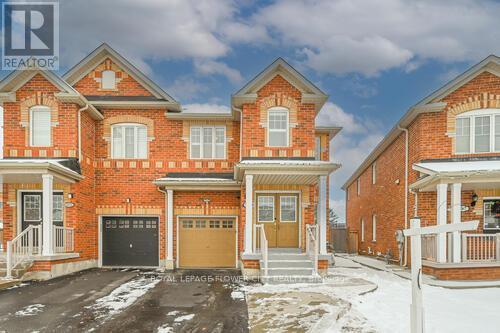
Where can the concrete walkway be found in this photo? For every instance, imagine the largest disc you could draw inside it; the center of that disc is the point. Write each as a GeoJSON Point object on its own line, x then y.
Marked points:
{"type": "Point", "coordinates": [405, 273]}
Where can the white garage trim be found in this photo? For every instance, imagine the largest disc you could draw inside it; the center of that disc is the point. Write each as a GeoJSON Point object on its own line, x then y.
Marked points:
{"type": "Point", "coordinates": [99, 236]}
{"type": "Point", "coordinates": [235, 217]}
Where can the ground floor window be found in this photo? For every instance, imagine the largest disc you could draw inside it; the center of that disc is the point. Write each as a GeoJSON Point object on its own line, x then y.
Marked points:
{"type": "Point", "coordinates": [492, 214]}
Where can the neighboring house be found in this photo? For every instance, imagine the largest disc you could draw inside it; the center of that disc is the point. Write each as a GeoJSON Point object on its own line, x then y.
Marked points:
{"type": "Point", "coordinates": [103, 168]}
{"type": "Point", "coordinates": [440, 162]}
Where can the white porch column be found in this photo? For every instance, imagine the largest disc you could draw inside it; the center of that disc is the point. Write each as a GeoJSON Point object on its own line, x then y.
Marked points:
{"type": "Point", "coordinates": [248, 212]}
{"type": "Point", "coordinates": [441, 207]}
{"type": "Point", "coordinates": [456, 215]}
{"type": "Point", "coordinates": [47, 225]}
{"type": "Point", "coordinates": [170, 226]}
{"type": "Point", "coordinates": [322, 214]}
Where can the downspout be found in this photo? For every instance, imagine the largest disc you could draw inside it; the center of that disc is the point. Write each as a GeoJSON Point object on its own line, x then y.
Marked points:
{"type": "Point", "coordinates": [241, 129]}
{"type": "Point", "coordinates": [406, 192]}
{"type": "Point", "coordinates": [165, 222]}
{"type": "Point", "coordinates": [80, 131]}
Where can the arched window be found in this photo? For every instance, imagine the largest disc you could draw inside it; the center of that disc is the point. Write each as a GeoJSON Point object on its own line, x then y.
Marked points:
{"type": "Point", "coordinates": [40, 126]}
{"type": "Point", "coordinates": [374, 228]}
{"type": "Point", "coordinates": [277, 127]}
{"type": "Point", "coordinates": [129, 141]}
{"type": "Point", "coordinates": [108, 80]}
{"type": "Point", "coordinates": [478, 131]}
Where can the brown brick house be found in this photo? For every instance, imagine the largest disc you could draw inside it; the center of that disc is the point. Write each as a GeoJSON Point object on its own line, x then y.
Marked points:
{"type": "Point", "coordinates": [102, 167]}
{"type": "Point", "coordinates": [440, 162]}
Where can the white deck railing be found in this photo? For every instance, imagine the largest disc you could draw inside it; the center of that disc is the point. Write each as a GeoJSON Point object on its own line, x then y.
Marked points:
{"type": "Point", "coordinates": [261, 246]}
{"type": "Point", "coordinates": [23, 246]}
{"type": "Point", "coordinates": [480, 247]}
{"type": "Point", "coordinates": [64, 239]}
{"type": "Point", "coordinates": [312, 244]}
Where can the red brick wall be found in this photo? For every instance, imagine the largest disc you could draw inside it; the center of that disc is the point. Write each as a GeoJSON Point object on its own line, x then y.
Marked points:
{"type": "Point", "coordinates": [476, 273]}
{"type": "Point", "coordinates": [427, 140]}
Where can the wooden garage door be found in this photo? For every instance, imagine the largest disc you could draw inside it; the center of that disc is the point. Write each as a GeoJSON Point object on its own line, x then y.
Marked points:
{"type": "Point", "coordinates": [207, 243]}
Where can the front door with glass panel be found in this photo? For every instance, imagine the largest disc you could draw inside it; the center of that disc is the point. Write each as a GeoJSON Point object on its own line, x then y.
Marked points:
{"type": "Point", "coordinates": [32, 211]}
{"type": "Point", "coordinates": [279, 214]}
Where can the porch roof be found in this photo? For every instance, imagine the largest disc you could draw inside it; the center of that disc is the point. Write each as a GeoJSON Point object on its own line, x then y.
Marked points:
{"type": "Point", "coordinates": [25, 170]}
{"type": "Point", "coordinates": [479, 172]}
{"type": "Point", "coordinates": [188, 181]}
{"type": "Point", "coordinates": [284, 171]}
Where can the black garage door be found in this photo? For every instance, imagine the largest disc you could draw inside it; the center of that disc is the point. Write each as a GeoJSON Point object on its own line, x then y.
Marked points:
{"type": "Point", "coordinates": [130, 241]}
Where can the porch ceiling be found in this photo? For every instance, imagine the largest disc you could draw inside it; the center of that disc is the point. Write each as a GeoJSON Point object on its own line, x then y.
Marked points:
{"type": "Point", "coordinates": [276, 179]}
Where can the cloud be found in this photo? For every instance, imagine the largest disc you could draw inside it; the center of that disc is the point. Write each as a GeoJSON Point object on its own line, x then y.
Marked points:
{"type": "Point", "coordinates": [367, 37]}
{"type": "Point", "coordinates": [186, 88]}
{"type": "Point", "coordinates": [350, 147]}
{"type": "Point", "coordinates": [206, 108]}
{"type": "Point", "coordinates": [210, 67]}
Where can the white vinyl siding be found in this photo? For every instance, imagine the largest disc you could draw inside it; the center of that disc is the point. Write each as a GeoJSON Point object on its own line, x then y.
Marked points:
{"type": "Point", "coordinates": [40, 126]}
{"type": "Point", "coordinates": [207, 142]}
{"type": "Point", "coordinates": [108, 80]}
{"type": "Point", "coordinates": [478, 131]}
{"type": "Point", "coordinates": [129, 141]}
{"type": "Point", "coordinates": [277, 129]}
{"type": "Point", "coordinates": [374, 228]}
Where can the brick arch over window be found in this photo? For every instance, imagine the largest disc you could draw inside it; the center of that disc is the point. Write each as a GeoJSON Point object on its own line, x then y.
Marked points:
{"type": "Point", "coordinates": [281, 100]}
{"type": "Point", "coordinates": [34, 100]}
{"type": "Point", "coordinates": [108, 122]}
{"type": "Point", "coordinates": [482, 101]}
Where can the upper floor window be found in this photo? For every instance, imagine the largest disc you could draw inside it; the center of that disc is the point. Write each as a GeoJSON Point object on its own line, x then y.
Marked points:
{"type": "Point", "coordinates": [318, 148]}
{"type": "Point", "coordinates": [374, 173]}
{"type": "Point", "coordinates": [358, 186]}
{"type": "Point", "coordinates": [108, 80]}
{"type": "Point", "coordinates": [40, 126]}
{"type": "Point", "coordinates": [478, 131]}
{"type": "Point", "coordinates": [277, 129]}
{"type": "Point", "coordinates": [129, 141]}
{"type": "Point", "coordinates": [208, 142]}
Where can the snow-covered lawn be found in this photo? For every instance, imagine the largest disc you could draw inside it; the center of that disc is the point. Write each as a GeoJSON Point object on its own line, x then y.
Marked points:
{"type": "Point", "coordinates": [446, 310]}
{"type": "Point", "coordinates": [349, 302]}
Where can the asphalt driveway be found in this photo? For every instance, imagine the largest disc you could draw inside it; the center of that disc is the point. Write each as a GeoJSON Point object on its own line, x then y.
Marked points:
{"type": "Point", "coordinates": [127, 301]}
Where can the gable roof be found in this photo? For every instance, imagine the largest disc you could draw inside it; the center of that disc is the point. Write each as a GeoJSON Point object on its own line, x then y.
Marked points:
{"type": "Point", "coordinates": [431, 103]}
{"type": "Point", "coordinates": [104, 51]}
{"type": "Point", "coordinates": [16, 79]}
{"type": "Point", "coordinates": [310, 93]}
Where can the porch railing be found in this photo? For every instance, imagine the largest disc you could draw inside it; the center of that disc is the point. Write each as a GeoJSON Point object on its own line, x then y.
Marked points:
{"type": "Point", "coordinates": [261, 246]}
{"type": "Point", "coordinates": [24, 245]}
{"type": "Point", "coordinates": [480, 247]}
{"type": "Point", "coordinates": [312, 244]}
{"type": "Point", "coordinates": [64, 239]}
{"type": "Point", "coordinates": [429, 247]}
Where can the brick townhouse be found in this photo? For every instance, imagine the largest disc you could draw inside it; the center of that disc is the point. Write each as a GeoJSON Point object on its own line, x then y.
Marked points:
{"type": "Point", "coordinates": [440, 162]}
{"type": "Point", "coordinates": [101, 167]}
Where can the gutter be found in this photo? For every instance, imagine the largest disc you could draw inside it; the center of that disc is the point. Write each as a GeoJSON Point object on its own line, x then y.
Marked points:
{"type": "Point", "coordinates": [405, 130]}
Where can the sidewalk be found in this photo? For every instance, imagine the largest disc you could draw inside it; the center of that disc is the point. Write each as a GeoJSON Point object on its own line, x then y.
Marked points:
{"type": "Point", "coordinates": [380, 265]}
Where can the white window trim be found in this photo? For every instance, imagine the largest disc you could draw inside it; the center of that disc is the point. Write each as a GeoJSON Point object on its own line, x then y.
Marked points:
{"type": "Point", "coordinates": [484, 212]}
{"type": "Point", "coordinates": [214, 145]}
{"type": "Point", "coordinates": [136, 142]}
{"type": "Point", "coordinates": [472, 115]}
{"type": "Point", "coordinates": [258, 208]}
{"type": "Point", "coordinates": [374, 228]}
{"type": "Point", "coordinates": [32, 125]}
{"type": "Point", "coordinates": [374, 173]}
{"type": "Point", "coordinates": [286, 130]}
{"type": "Point", "coordinates": [295, 200]}
{"type": "Point", "coordinates": [362, 230]}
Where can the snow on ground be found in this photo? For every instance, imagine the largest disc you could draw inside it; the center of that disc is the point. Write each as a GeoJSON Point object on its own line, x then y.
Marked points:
{"type": "Point", "coordinates": [30, 310]}
{"type": "Point", "coordinates": [122, 297]}
{"type": "Point", "coordinates": [446, 310]}
{"type": "Point", "coordinates": [184, 318]}
{"type": "Point", "coordinates": [237, 295]}
{"type": "Point", "coordinates": [165, 329]}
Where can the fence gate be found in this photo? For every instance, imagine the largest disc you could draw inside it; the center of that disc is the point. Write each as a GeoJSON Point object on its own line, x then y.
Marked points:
{"type": "Point", "coordinates": [338, 238]}
{"type": "Point", "coordinates": [353, 242]}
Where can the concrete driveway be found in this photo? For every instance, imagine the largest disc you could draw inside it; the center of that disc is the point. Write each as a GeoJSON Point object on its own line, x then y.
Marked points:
{"type": "Point", "coordinates": [127, 301]}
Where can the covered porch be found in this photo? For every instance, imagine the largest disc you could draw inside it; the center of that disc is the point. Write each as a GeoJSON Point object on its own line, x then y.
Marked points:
{"type": "Point", "coordinates": [36, 227]}
{"type": "Point", "coordinates": [286, 204]}
{"type": "Point", "coordinates": [453, 191]}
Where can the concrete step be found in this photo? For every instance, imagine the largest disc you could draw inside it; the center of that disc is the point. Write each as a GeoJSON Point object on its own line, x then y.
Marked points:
{"type": "Point", "coordinates": [4, 284]}
{"type": "Point", "coordinates": [18, 271]}
{"type": "Point", "coordinates": [288, 263]}
{"type": "Point", "coordinates": [288, 271]}
{"type": "Point", "coordinates": [284, 250]}
{"type": "Point", "coordinates": [288, 256]}
{"type": "Point", "coordinates": [289, 279]}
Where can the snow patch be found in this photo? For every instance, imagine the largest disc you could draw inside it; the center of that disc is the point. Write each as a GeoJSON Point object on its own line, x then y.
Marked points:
{"type": "Point", "coordinates": [237, 295]}
{"type": "Point", "coordinates": [122, 297]}
{"type": "Point", "coordinates": [30, 310]}
{"type": "Point", "coordinates": [184, 318]}
{"type": "Point", "coordinates": [164, 329]}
